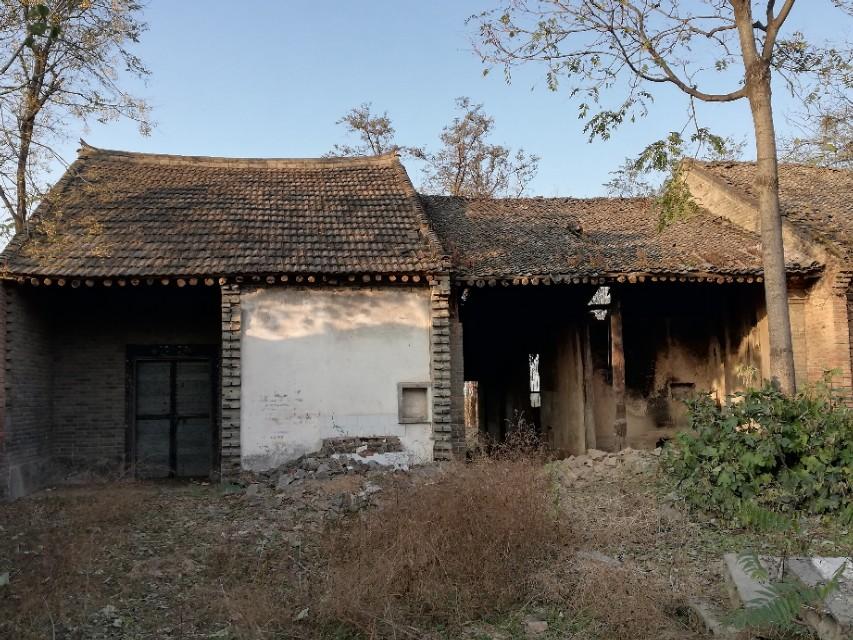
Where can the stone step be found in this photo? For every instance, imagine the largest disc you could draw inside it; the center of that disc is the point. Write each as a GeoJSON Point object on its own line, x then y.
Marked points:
{"type": "Point", "coordinates": [831, 621]}
{"type": "Point", "coordinates": [710, 616]}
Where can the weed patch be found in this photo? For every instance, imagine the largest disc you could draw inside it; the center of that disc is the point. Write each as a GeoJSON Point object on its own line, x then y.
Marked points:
{"type": "Point", "coordinates": [465, 546]}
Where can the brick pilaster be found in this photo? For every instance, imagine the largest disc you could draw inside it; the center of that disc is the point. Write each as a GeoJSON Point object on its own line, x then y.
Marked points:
{"type": "Point", "coordinates": [4, 463]}
{"type": "Point", "coordinates": [229, 432]}
{"type": "Point", "coordinates": [447, 372]}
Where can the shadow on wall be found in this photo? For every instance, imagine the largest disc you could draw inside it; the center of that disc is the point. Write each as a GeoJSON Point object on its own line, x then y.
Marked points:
{"type": "Point", "coordinates": [297, 313]}
{"type": "Point", "coordinates": [323, 364]}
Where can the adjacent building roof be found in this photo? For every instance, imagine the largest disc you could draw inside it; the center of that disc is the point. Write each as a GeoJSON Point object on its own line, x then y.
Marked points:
{"type": "Point", "coordinates": [131, 214]}
{"type": "Point", "coordinates": [540, 236]}
{"type": "Point", "coordinates": [817, 200]}
{"type": "Point", "coordinates": [116, 214]}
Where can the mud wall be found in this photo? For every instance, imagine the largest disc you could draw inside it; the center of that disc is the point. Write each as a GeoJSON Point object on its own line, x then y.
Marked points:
{"type": "Point", "coordinates": [679, 340]}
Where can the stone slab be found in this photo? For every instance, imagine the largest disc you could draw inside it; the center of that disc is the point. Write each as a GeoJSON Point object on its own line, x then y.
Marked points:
{"type": "Point", "coordinates": [839, 604]}
{"type": "Point", "coordinates": [712, 619]}
{"type": "Point", "coordinates": [743, 588]}
{"type": "Point", "coordinates": [833, 621]}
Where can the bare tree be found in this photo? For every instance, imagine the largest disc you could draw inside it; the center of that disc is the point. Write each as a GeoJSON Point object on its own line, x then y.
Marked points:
{"type": "Point", "coordinates": [375, 133]}
{"type": "Point", "coordinates": [60, 62]}
{"type": "Point", "coordinates": [826, 138]}
{"type": "Point", "coordinates": [628, 48]}
{"type": "Point", "coordinates": [467, 164]}
{"type": "Point", "coordinates": [825, 122]}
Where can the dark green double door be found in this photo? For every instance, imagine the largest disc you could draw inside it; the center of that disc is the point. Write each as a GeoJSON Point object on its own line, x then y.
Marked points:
{"type": "Point", "coordinates": [173, 415]}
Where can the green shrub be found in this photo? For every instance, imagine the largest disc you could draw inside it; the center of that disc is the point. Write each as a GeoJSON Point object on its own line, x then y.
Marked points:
{"type": "Point", "coordinates": [764, 450]}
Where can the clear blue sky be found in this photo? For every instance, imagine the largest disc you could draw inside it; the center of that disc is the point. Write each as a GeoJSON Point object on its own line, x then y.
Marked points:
{"type": "Point", "coordinates": [270, 78]}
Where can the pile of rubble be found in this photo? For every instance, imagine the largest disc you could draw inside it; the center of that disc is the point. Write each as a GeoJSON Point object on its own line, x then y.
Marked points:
{"type": "Point", "coordinates": [341, 477]}
{"type": "Point", "coordinates": [596, 464]}
{"type": "Point", "coordinates": [337, 456]}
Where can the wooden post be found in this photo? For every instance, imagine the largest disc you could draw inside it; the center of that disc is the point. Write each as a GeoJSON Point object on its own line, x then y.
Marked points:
{"type": "Point", "coordinates": [617, 361]}
{"type": "Point", "coordinates": [588, 394]}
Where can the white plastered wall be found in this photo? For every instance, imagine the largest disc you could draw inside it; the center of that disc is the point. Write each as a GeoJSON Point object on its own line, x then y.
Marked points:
{"type": "Point", "coordinates": [325, 362]}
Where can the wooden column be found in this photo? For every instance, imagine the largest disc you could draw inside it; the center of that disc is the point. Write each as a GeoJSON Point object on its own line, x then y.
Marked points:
{"type": "Point", "coordinates": [617, 360]}
{"type": "Point", "coordinates": [588, 394]}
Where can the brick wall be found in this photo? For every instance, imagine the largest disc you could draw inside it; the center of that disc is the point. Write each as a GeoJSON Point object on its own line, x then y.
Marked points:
{"type": "Point", "coordinates": [457, 379]}
{"type": "Point", "coordinates": [850, 321]}
{"type": "Point", "coordinates": [448, 408]}
{"type": "Point", "coordinates": [66, 366]}
{"type": "Point", "coordinates": [26, 427]}
{"type": "Point", "coordinates": [90, 352]}
{"type": "Point", "coordinates": [229, 436]}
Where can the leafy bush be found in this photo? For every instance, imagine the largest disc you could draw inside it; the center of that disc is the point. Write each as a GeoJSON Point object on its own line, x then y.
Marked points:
{"type": "Point", "coordinates": [766, 451]}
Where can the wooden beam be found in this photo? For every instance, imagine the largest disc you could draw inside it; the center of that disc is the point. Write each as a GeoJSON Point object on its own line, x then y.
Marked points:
{"type": "Point", "coordinates": [617, 363]}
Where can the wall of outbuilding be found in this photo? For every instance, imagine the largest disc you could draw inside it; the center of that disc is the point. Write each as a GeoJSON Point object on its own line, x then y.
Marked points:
{"type": "Point", "coordinates": [66, 371]}
{"type": "Point", "coordinates": [90, 341]}
{"type": "Point", "coordinates": [680, 340]}
{"type": "Point", "coordinates": [326, 362]}
{"type": "Point", "coordinates": [826, 343]}
{"type": "Point", "coordinates": [25, 429]}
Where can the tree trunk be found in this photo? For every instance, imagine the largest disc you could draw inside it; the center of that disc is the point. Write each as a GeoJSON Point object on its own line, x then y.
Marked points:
{"type": "Point", "coordinates": [772, 249]}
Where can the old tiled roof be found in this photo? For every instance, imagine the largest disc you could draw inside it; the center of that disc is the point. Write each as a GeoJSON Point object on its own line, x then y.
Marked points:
{"type": "Point", "coordinates": [815, 199]}
{"type": "Point", "coordinates": [129, 214]}
{"type": "Point", "coordinates": [540, 236]}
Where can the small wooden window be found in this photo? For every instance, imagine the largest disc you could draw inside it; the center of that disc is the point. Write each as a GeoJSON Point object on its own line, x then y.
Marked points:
{"type": "Point", "coordinates": [413, 402]}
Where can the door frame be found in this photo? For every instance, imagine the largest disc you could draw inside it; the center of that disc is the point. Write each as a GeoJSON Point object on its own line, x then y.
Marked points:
{"type": "Point", "coordinates": [169, 353]}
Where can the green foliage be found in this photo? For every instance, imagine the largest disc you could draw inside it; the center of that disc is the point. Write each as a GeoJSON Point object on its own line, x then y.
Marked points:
{"type": "Point", "coordinates": [675, 202]}
{"type": "Point", "coordinates": [765, 452]}
{"type": "Point", "coordinates": [658, 171]}
{"type": "Point", "coordinates": [760, 519]}
{"type": "Point", "coordinates": [779, 603]}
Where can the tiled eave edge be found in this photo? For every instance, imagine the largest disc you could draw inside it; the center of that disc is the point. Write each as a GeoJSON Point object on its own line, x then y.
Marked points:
{"type": "Point", "coordinates": [301, 279]}
{"type": "Point", "coordinates": [629, 278]}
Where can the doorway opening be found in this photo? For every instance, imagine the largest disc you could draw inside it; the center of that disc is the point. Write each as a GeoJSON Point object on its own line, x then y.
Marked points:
{"type": "Point", "coordinates": [172, 407]}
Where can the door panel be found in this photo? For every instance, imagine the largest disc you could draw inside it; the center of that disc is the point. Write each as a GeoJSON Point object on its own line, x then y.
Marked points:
{"type": "Point", "coordinates": [194, 447]}
{"type": "Point", "coordinates": [173, 417]}
{"type": "Point", "coordinates": [193, 388]}
{"type": "Point", "coordinates": [153, 384]}
{"type": "Point", "coordinates": [152, 448]}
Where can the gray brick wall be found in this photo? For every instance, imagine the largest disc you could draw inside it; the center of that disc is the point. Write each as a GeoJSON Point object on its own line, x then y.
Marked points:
{"type": "Point", "coordinates": [25, 432]}
{"type": "Point", "coordinates": [90, 347]}
{"type": "Point", "coordinates": [457, 379]}
{"type": "Point", "coordinates": [229, 436]}
{"type": "Point", "coordinates": [447, 378]}
{"type": "Point", "coordinates": [66, 365]}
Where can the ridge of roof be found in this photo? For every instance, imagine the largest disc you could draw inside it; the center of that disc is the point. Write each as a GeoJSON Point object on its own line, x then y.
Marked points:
{"type": "Point", "coordinates": [543, 199]}
{"type": "Point", "coordinates": [751, 163]}
{"type": "Point", "coordinates": [87, 151]}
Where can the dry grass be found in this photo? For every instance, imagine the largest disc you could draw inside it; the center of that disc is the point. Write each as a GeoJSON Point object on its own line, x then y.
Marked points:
{"type": "Point", "coordinates": [623, 602]}
{"type": "Point", "coordinates": [489, 540]}
{"type": "Point", "coordinates": [61, 563]}
{"type": "Point", "coordinates": [171, 561]}
{"type": "Point", "coordinates": [476, 546]}
{"type": "Point", "coordinates": [467, 545]}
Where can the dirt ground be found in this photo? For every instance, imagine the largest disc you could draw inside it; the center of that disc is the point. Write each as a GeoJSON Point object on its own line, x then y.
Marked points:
{"type": "Point", "coordinates": [194, 560]}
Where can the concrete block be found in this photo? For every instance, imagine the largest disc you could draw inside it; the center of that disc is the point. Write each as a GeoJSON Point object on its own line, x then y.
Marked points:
{"type": "Point", "coordinates": [832, 621]}
{"type": "Point", "coordinates": [711, 618]}
{"type": "Point", "coordinates": [836, 621]}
